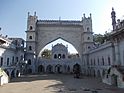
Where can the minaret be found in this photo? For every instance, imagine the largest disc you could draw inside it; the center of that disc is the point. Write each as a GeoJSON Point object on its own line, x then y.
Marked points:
{"type": "Point", "coordinates": [113, 16]}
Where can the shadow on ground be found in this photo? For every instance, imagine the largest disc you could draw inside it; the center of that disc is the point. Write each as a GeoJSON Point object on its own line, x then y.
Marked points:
{"type": "Point", "coordinates": [67, 84]}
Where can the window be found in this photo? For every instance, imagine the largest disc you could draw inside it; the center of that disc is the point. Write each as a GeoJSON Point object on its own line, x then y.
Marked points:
{"type": "Point", "coordinates": [29, 62]}
{"type": "Point", "coordinates": [88, 47]}
{"type": "Point", "coordinates": [30, 37]}
{"type": "Point", "coordinates": [1, 61]}
{"type": "Point", "coordinates": [16, 59]}
{"type": "Point", "coordinates": [13, 59]}
{"type": "Point", "coordinates": [88, 38]}
{"type": "Point", "coordinates": [109, 61]}
{"type": "Point", "coordinates": [102, 60]}
{"type": "Point", "coordinates": [55, 56]}
{"type": "Point", "coordinates": [30, 48]}
{"type": "Point", "coordinates": [31, 27]}
{"type": "Point", "coordinates": [88, 29]}
{"type": "Point", "coordinates": [59, 56]}
{"type": "Point", "coordinates": [7, 61]}
{"type": "Point", "coordinates": [63, 56]}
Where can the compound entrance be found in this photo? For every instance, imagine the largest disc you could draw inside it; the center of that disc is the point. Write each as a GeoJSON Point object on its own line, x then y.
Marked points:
{"type": "Point", "coordinates": [42, 32]}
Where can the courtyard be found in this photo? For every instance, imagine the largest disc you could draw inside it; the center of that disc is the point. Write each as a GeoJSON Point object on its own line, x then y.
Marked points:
{"type": "Point", "coordinates": [57, 83]}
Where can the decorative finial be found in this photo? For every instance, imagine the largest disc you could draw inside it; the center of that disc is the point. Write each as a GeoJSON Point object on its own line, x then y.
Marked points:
{"type": "Point", "coordinates": [112, 8]}
{"type": "Point", "coordinates": [28, 14]}
{"type": "Point", "coordinates": [90, 15]}
{"type": "Point", "coordinates": [84, 15]}
{"type": "Point", "coordinates": [35, 13]}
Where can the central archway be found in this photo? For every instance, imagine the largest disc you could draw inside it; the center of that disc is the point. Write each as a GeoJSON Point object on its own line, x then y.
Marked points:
{"type": "Point", "coordinates": [48, 34]}
{"type": "Point", "coordinates": [70, 48]}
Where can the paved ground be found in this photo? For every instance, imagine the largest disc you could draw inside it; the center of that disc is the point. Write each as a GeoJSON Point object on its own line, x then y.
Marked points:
{"type": "Point", "coordinates": [52, 83]}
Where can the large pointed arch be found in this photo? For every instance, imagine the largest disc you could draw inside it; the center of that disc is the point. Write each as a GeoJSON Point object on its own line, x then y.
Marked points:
{"type": "Point", "coordinates": [55, 40]}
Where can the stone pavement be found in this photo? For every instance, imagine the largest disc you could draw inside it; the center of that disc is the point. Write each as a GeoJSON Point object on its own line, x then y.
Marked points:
{"type": "Point", "coordinates": [57, 83]}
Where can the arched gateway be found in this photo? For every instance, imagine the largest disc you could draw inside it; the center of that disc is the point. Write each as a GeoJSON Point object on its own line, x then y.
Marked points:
{"type": "Point", "coordinates": [42, 32]}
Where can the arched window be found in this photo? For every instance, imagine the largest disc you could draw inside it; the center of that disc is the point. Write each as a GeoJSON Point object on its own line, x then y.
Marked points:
{"type": "Point", "coordinates": [59, 56]}
{"type": "Point", "coordinates": [31, 27]}
{"type": "Point", "coordinates": [30, 48]}
{"type": "Point", "coordinates": [29, 62]}
{"type": "Point", "coordinates": [109, 61]}
{"type": "Point", "coordinates": [13, 59]}
{"type": "Point", "coordinates": [1, 61]}
{"type": "Point", "coordinates": [88, 29]}
{"type": "Point", "coordinates": [88, 38]}
{"type": "Point", "coordinates": [63, 56]}
{"type": "Point", "coordinates": [55, 56]}
{"type": "Point", "coordinates": [30, 37]}
{"type": "Point", "coordinates": [7, 61]}
{"type": "Point", "coordinates": [88, 47]}
{"type": "Point", "coordinates": [17, 59]}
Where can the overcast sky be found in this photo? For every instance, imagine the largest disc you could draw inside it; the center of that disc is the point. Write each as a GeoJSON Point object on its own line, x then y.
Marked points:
{"type": "Point", "coordinates": [13, 13]}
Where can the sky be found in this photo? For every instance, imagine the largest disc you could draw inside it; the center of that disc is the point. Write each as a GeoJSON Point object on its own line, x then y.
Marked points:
{"type": "Point", "coordinates": [13, 13]}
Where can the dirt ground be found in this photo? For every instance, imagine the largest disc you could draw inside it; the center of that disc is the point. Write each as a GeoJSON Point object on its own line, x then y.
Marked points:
{"type": "Point", "coordinates": [57, 83]}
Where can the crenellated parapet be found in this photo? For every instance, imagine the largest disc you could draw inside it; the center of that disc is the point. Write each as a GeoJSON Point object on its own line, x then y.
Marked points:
{"type": "Point", "coordinates": [59, 22]}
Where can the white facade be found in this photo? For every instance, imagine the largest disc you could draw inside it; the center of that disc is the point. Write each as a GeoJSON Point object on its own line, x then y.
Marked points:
{"type": "Point", "coordinates": [59, 51]}
{"type": "Point", "coordinates": [59, 62]}
{"type": "Point", "coordinates": [94, 60]}
{"type": "Point", "coordinates": [11, 55]}
{"type": "Point", "coordinates": [42, 32]}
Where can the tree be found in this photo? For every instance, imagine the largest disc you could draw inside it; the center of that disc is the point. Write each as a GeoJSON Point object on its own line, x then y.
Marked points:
{"type": "Point", "coordinates": [46, 54]}
{"type": "Point", "coordinates": [98, 38]}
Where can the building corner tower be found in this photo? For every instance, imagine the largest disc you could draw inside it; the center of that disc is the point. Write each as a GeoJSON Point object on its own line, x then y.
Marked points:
{"type": "Point", "coordinates": [31, 43]}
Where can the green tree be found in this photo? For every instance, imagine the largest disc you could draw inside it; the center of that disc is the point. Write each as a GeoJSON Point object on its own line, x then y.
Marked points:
{"type": "Point", "coordinates": [46, 54]}
{"type": "Point", "coordinates": [98, 38]}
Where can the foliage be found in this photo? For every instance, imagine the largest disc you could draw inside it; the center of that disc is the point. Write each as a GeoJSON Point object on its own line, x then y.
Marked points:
{"type": "Point", "coordinates": [46, 54]}
{"type": "Point", "coordinates": [73, 55]}
{"type": "Point", "coordinates": [100, 39]}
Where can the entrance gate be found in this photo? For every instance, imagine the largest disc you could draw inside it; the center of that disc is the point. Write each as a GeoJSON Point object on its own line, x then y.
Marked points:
{"type": "Point", "coordinates": [42, 32]}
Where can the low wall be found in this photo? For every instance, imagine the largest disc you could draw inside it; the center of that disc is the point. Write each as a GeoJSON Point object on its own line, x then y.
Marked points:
{"type": "Point", "coordinates": [3, 77]}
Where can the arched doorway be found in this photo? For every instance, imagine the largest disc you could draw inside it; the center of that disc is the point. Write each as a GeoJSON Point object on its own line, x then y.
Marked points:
{"type": "Point", "coordinates": [103, 73]}
{"type": "Point", "coordinates": [68, 69]}
{"type": "Point", "coordinates": [77, 68]}
{"type": "Point", "coordinates": [58, 68]}
{"type": "Point", "coordinates": [114, 79]}
{"type": "Point", "coordinates": [98, 73]}
{"type": "Point", "coordinates": [13, 74]}
{"type": "Point", "coordinates": [49, 69]}
{"type": "Point", "coordinates": [41, 68]}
